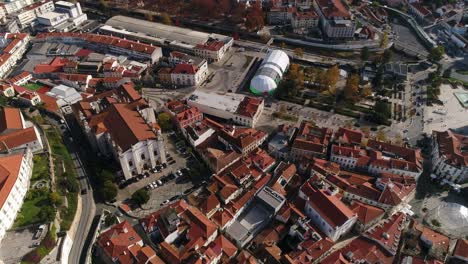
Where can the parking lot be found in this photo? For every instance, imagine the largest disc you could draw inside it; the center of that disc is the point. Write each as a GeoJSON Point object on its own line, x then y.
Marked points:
{"type": "Point", "coordinates": [17, 243]}
{"type": "Point", "coordinates": [227, 74]}
{"type": "Point", "coordinates": [169, 183]}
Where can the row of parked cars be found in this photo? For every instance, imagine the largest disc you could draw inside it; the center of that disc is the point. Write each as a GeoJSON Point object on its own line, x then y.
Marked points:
{"type": "Point", "coordinates": [182, 173]}
{"type": "Point", "coordinates": [146, 174]}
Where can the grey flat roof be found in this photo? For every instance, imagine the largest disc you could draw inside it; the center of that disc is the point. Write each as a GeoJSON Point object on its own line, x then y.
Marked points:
{"type": "Point", "coordinates": [159, 30]}
{"type": "Point", "coordinates": [271, 198]}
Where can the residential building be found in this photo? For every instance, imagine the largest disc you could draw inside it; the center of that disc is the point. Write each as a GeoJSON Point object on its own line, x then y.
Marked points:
{"type": "Point", "coordinates": [310, 141]}
{"type": "Point", "coordinates": [13, 47]}
{"type": "Point", "coordinates": [335, 19]}
{"type": "Point", "coordinates": [303, 22]}
{"type": "Point", "coordinates": [122, 244]}
{"type": "Point", "coordinates": [15, 172]}
{"type": "Point", "coordinates": [188, 75]}
{"type": "Point", "coordinates": [378, 157]}
{"type": "Point", "coordinates": [450, 156]}
{"type": "Point", "coordinates": [367, 215]}
{"type": "Point", "coordinates": [419, 11]}
{"type": "Point", "coordinates": [7, 90]}
{"type": "Point", "coordinates": [120, 124]}
{"type": "Point", "coordinates": [16, 133]}
{"type": "Point", "coordinates": [28, 15]}
{"type": "Point", "coordinates": [280, 15]}
{"type": "Point", "coordinates": [240, 109]}
{"type": "Point", "coordinates": [327, 211]}
{"type": "Point", "coordinates": [279, 144]}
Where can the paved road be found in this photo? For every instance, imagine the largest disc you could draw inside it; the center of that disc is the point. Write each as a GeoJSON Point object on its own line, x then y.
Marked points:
{"type": "Point", "coordinates": [88, 205]}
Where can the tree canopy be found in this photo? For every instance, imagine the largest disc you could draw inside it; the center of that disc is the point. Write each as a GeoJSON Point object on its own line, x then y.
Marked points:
{"type": "Point", "coordinates": [141, 196]}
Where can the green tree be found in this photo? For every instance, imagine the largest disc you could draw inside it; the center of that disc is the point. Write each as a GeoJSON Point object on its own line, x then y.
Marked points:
{"type": "Point", "coordinates": [47, 214]}
{"type": "Point", "coordinates": [365, 54]}
{"type": "Point", "coordinates": [109, 191]}
{"type": "Point", "coordinates": [437, 53]}
{"type": "Point", "coordinates": [164, 121]}
{"type": "Point", "coordinates": [383, 108]}
{"type": "Point", "coordinates": [55, 198]}
{"type": "Point", "coordinates": [106, 175]}
{"type": "Point", "coordinates": [141, 196]}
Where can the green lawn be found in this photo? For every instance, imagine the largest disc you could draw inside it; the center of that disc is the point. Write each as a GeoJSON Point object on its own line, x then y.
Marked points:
{"type": "Point", "coordinates": [41, 169]}
{"type": "Point", "coordinates": [33, 86]}
{"type": "Point", "coordinates": [29, 213]}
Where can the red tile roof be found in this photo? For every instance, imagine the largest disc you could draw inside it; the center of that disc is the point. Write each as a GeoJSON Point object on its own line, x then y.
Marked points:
{"type": "Point", "coordinates": [213, 45]}
{"type": "Point", "coordinates": [10, 118]}
{"type": "Point", "coordinates": [209, 204]}
{"type": "Point", "coordinates": [461, 249]}
{"type": "Point", "coordinates": [116, 242]}
{"type": "Point", "coordinates": [17, 138]}
{"type": "Point", "coordinates": [9, 169]}
{"type": "Point", "coordinates": [330, 207]}
{"type": "Point", "coordinates": [421, 9]}
{"type": "Point", "coordinates": [249, 106]}
{"type": "Point", "coordinates": [388, 233]}
{"type": "Point", "coordinates": [184, 68]}
{"type": "Point", "coordinates": [333, 8]}
{"type": "Point", "coordinates": [102, 40]}
{"type": "Point", "coordinates": [453, 147]}
{"type": "Point", "coordinates": [312, 138]}
{"type": "Point", "coordinates": [366, 213]}
{"type": "Point", "coordinates": [221, 217]}
{"type": "Point", "coordinates": [349, 136]}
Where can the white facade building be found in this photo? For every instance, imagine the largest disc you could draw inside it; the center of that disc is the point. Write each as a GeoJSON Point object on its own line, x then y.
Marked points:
{"type": "Point", "coordinates": [450, 156]}
{"type": "Point", "coordinates": [15, 173]}
{"type": "Point", "coordinates": [13, 47]}
{"type": "Point", "coordinates": [29, 14]}
{"type": "Point", "coordinates": [238, 108]}
{"type": "Point", "coordinates": [335, 18]}
{"type": "Point", "coordinates": [327, 211]}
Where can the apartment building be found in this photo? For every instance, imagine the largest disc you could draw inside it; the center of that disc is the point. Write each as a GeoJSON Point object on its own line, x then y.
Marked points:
{"type": "Point", "coordinates": [13, 47]}
{"type": "Point", "coordinates": [327, 211]}
{"type": "Point", "coordinates": [15, 172]}
{"type": "Point", "coordinates": [336, 20]}
{"type": "Point", "coordinates": [450, 156]}
{"type": "Point", "coordinates": [16, 133]}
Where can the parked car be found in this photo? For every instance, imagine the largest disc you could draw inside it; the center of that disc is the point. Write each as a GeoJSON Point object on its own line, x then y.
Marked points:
{"type": "Point", "coordinates": [159, 182]}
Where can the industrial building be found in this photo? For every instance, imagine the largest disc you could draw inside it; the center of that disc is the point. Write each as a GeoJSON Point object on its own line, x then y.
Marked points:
{"type": "Point", "coordinates": [240, 109]}
{"type": "Point", "coordinates": [270, 72]}
{"type": "Point", "coordinates": [211, 47]}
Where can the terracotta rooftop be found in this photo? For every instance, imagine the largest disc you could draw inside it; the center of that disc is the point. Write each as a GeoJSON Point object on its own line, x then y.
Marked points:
{"type": "Point", "coordinates": [116, 242]}
{"type": "Point", "coordinates": [366, 213]}
{"type": "Point", "coordinates": [330, 207]}
{"type": "Point", "coordinates": [454, 147]}
{"type": "Point", "coordinates": [10, 119]}
{"type": "Point", "coordinates": [17, 138]}
{"type": "Point", "coordinates": [388, 233]}
{"type": "Point", "coordinates": [249, 106]}
{"type": "Point", "coordinates": [333, 9]}
{"type": "Point", "coordinates": [9, 169]}
{"type": "Point", "coordinates": [102, 40]}
{"type": "Point", "coordinates": [421, 9]}
{"type": "Point", "coordinates": [461, 249]}
{"type": "Point", "coordinates": [312, 138]}
{"type": "Point", "coordinates": [349, 136]}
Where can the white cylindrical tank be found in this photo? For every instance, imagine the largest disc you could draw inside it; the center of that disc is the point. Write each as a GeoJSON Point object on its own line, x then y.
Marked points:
{"type": "Point", "coordinates": [270, 72]}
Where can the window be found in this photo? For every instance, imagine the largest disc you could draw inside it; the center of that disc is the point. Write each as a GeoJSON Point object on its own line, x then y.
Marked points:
{"type": "Point", "coordinates": [130, 163]}
{"type": "Point", "coordinates": [143, 156]}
